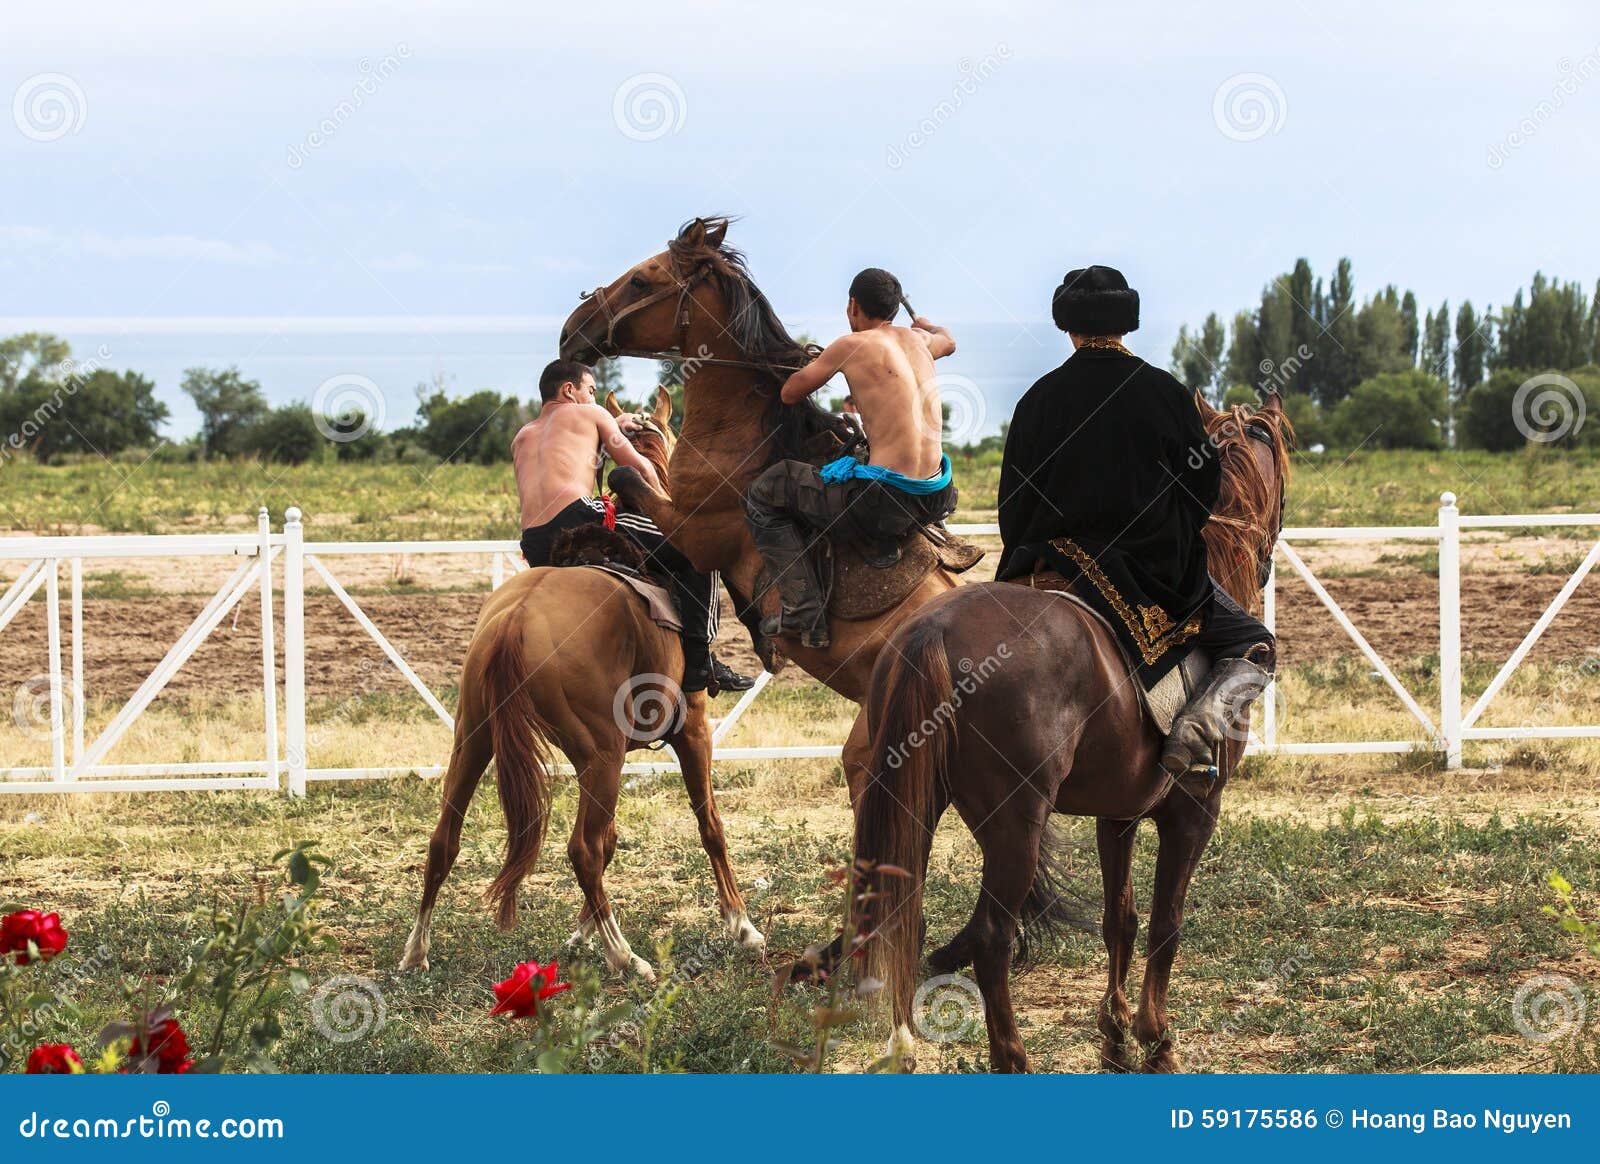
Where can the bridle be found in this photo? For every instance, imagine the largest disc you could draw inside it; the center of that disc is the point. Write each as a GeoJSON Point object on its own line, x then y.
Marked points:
{"type": "Point", "coordinates": [682, 288]}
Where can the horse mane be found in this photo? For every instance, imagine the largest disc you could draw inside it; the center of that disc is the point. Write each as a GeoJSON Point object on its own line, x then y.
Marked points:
{"type": "Point", "coordinates": [762, 339]}
{"type": "Point", "coordinates": [1239, 539]}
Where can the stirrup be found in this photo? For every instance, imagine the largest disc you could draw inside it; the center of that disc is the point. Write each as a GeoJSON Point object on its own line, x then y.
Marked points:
{"type": "Point", "coordinates": [813, 636]}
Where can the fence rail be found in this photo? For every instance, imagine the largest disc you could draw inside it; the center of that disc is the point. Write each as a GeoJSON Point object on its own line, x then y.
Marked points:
{"type": "Point", "coordinates": [80, 766]}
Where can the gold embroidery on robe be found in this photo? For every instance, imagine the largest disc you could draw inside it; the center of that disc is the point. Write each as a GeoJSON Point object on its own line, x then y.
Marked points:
{"type": "Point", "coordinates": [1151, 628]}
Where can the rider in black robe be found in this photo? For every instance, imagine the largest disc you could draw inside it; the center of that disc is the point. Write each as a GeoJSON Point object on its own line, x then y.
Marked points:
{"type": "Point", "coordinates": [1109, 478]}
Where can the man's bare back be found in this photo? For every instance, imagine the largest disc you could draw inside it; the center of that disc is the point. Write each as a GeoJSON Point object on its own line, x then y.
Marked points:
{"type": "Point", "coordinates": [557, 456]}
{"type": "Point", "coordinates": [891, 376]}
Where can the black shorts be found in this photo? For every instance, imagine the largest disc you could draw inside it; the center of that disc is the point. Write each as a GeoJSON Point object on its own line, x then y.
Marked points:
{"type": "Point", "coordinates": [537, 540]}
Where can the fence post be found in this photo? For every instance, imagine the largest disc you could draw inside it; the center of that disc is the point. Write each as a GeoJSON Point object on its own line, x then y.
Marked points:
{"type": "Point", "coordinates": [269, 648]}
{"type": "Point", "coordinates": [1269, 616]}
{"type": "Point", "coordinates": [1450, 629]}
{"type": "Point", "coordinates": [294, 649]}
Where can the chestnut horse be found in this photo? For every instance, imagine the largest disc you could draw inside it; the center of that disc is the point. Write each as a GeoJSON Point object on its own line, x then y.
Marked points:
{"type": "Point", "coordinates": [1050, 723]}
{"type": "Point", "coordinates": [696, 301]}
{"type": "Point", "coordinates": [570, 657]}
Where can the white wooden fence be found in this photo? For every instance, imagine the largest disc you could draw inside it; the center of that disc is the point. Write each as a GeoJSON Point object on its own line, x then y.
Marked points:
{"type": "Point", "coordinates": [77, 765]}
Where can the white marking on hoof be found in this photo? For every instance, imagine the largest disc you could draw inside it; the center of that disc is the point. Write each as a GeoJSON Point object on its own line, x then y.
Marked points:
{"type": "Point", "coordinates": [583, 935]}
{"type": "Point", "coordinates": [619, 955]}
{"type": "Point", "coordinates": [742, 931]}
{"type": "Point", "coordinates": [902, 1045]}
{"type": "Point", "coordinates": [415, 956]}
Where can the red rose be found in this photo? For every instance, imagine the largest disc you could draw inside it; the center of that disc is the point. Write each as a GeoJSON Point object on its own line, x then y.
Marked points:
{"type": "Point", "coordinates": [530, 984]}
{"type": "Point", "coordinates": [42, 929]}
{"type": "Point", "coordinates": [54, 1059]}
{"type": "Point", "coordinates": [168, 1052]}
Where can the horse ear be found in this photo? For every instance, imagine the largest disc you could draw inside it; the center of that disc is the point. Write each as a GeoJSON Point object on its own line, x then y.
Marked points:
{"type": "Point", "coordinates": [716, 231]}
{"type": "Point", "coordinates": [663, 409]}
{"type": "Point", "coordinates": [694, 235]}
{"type": "Point", "coordinates": [612, 406]}
{"type": "Point", "coordinates": [1273, 403]}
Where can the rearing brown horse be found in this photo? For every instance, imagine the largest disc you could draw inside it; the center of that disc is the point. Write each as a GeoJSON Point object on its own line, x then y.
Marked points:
{"type": "Point", "coordinates": [696, 299]}
{"type": "Point", "coordinates": [1049, 722]}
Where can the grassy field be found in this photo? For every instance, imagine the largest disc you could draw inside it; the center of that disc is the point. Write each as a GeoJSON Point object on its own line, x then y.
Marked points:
{"type": "Point", "coordinates": [1375, 920]}
{"type": "Point", "coordinates": [1352, 914]}
{"type": "Point", "coordinates": [351, 500]}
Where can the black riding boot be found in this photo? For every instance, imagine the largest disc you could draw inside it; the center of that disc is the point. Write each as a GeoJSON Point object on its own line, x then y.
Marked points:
{"type": "Point", "coordinates": [697, 672]}
{"type": "Point", "coordinates": [804, 614]}
{"type": "Point", "coordinates": [1218, 713]}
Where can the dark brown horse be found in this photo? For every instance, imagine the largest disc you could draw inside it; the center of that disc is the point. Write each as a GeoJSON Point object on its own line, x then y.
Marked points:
{"type": "Point", "coordinates": [1044, 718]}
{"type": "Point", "coordinates": [570, 658]}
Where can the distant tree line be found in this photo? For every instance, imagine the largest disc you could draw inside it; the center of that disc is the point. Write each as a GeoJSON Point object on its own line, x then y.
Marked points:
{"type": "Point", "coordinates": [1384, 372]}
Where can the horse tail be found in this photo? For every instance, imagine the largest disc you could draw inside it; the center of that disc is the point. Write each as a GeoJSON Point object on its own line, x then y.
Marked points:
{"type": "Point", "coordinates": [522, 762]}
{"type": "Point", "coordinates": [906, 791]}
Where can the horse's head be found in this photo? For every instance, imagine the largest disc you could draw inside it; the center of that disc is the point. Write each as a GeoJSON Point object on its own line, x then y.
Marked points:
{"type": "Point", "coordinates": [651, 307]}
{"type": "Point", "coordinates": [1254, 449]}
{"type": "Point", "coordinates": [654, 437]}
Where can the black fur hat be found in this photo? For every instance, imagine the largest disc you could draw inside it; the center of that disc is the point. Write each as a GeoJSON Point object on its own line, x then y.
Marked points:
{"type": "Point", "coordinates": [1096, 301]}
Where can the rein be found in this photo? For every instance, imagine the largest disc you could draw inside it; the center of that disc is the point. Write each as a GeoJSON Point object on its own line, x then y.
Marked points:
{"type": "Point", "coordinates": [682, 287]}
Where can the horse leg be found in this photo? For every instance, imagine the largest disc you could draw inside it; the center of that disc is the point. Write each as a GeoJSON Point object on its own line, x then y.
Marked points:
{"type": "Point", "coordinates": [1119, 928]}
{"type": "Point", "coordinates": [469, 756]}
{"type": "Point", "coordinates": [692, 744]}
{"type": "Point", "coordinates": [1009, 863]}
{"type": "Point", "coordinates": [594, 839]}
{"type": "Point", "coordinates": [1183, 825]}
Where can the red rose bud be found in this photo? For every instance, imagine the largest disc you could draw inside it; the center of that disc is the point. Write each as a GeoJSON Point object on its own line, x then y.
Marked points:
{"type": "Point", "coordinates": [530, 984]}
{"type": "Point", "coordinates": [168, 1049]}
{"type": "Point", "coordinates": [29, 925]}
{"type": "Point", "coordinates": [54, 1059]}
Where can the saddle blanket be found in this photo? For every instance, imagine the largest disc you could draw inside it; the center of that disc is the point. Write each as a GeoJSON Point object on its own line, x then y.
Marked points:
{"type": "Point", "coordinates": [1172, 692]}
{"type": "Point", "coordinates": [663, 611]}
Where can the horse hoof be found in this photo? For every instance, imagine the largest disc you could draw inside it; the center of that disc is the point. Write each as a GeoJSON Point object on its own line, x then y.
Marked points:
{"type": "Point", "coordinates": [410, 963]}
{"type": "Point", "coordinates": [742, 931]}
{"type": "Point", "coordinates": [1163, 1062]}
{"type": "Point", "coordinates": [643, 970]}
{"type": "Point", "coordinates": [1114, 1058]}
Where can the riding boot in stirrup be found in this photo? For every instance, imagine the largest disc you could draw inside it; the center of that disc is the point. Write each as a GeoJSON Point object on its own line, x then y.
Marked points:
{"type": "Point", "coordinates": [1216, 714]}
{"type": "Point", "coordinates": [803, 613]}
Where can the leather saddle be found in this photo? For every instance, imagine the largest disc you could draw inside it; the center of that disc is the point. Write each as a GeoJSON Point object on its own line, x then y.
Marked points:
{"type": "Point", "coordinates": [1165, 698]}
{"type": "Point", "coordinates": [858, 589]}
{"type": "Point", "coordinates": [604, 549]}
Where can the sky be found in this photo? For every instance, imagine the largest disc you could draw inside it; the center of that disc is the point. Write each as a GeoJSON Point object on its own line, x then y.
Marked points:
{"type": "Point", "coordinates": [298, 165]}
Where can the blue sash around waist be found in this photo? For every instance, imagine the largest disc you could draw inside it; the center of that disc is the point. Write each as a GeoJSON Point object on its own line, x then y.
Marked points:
{"type": "Point", "coordinates": [848, 468]}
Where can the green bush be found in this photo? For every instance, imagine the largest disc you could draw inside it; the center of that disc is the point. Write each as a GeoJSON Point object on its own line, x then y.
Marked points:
{"type": "Point", "coordinates": [102, 412]}
{"type": "Point", "coordinates": [288, 434]}
{"type": "Point", "coordinates": [1551, 413]}
{"type": "Point", "coordinates": [1393, 410]}
{"type": "Point", "coordinates": [476, 428]}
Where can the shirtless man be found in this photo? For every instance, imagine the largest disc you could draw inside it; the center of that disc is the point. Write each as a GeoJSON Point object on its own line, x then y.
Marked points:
{"type": "Point", "coordinates": [556, 459]}
{"type": "Point", "coordinates": [906, 482]}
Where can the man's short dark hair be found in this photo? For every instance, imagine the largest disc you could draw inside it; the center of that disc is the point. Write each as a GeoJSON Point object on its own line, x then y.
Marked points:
{"type": "Point", "coordinates": [877, 293]}
{"type": "Point", "coordinates": [559, 372]}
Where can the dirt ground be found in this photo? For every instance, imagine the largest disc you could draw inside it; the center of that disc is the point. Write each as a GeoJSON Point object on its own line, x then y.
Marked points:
{"type": "Point", "coordinates": [1396, 608]}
